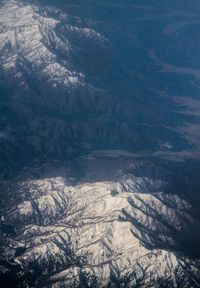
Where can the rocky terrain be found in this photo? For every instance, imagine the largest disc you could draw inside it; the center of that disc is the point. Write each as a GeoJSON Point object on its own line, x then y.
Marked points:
{"type": "Point", "coordinates": [60, 90]}
{"type": "Point", "coordinates": [129, 231]}
{"type": "Point", "coordinates": [99, 144]}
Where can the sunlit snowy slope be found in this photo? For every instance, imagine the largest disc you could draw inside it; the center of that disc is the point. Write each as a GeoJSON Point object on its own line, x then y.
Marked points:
{"type": "Point", "coordinates": [99, 144]}
{"type": "Point", "coordinates": [125, 232]}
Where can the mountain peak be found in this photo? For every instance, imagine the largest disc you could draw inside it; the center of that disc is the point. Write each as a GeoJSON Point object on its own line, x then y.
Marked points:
{"type": "Point", "coordinates": [29, 42]}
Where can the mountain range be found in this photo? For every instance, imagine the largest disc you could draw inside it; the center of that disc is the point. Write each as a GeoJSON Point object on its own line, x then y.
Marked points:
{"type": "Point", "coordinates": [99, 144]}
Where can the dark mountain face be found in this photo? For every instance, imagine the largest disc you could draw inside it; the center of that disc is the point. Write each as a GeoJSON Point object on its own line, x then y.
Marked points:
{"type": "Point", "coordinates": [107, 76]}
{"type": "Point", "coordinates": [99, 143]}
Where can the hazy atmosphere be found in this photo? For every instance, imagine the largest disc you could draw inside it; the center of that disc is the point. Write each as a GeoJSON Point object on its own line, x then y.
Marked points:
{"type": "Point", "coordinates": [99, 143]}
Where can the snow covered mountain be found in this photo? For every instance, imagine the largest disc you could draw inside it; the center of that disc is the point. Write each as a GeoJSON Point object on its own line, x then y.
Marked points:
{"type": "Point", "coordinates": [125, 232]}
{"type": "Point", "coordinates": [38, 79]}
{"type": "Point", "coordinates": [30, 44]}
{"type": "Point", "coordinates": [60, 90]}
{"type": "Point", "coordinates": [99, 144]}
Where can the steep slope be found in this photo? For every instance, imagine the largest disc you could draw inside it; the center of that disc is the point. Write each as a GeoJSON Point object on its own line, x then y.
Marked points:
{"type": "Point", "coordinates": [99, 129]}
{"type": "Point", "coordinates": [119, 233]}
{"type": "Point", "coordinates": [42, 94]}
{"type": "Point", "coordinates": [30, 45]}
{"type": "Point", "coordinates": [72, 80]}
